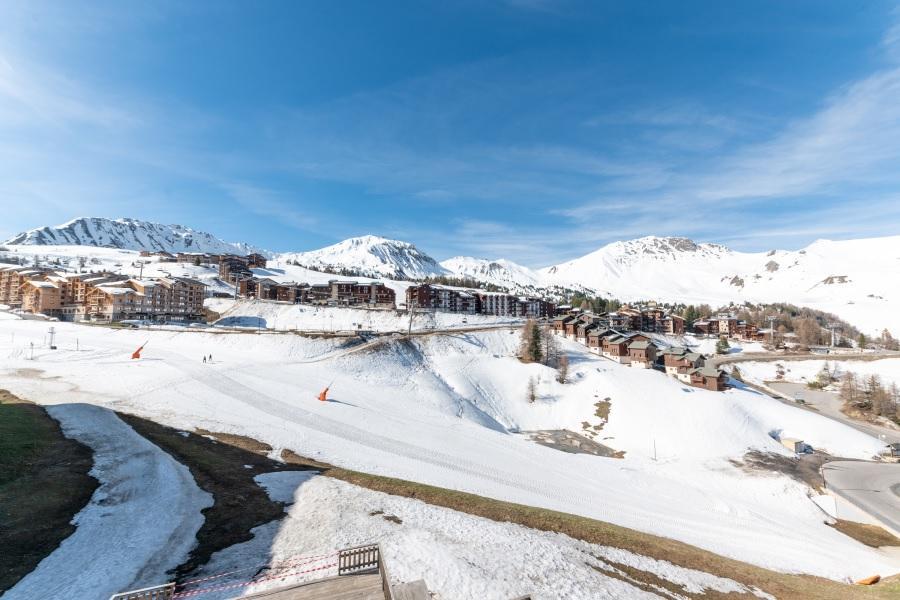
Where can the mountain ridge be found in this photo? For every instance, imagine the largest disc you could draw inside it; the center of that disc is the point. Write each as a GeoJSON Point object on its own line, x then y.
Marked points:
{"type": "Point", "coordinates": [371, 256]}
{"type": "Point", "coordinates": [129, 234]}
{"type": "Point", "coordinates": [850, 278]}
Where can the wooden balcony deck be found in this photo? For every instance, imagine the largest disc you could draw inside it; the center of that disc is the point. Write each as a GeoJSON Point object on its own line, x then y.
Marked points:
{"type": "Point", "coordinates": [346, 587]}
{"type": "Point", "coordinates": [361, 575]}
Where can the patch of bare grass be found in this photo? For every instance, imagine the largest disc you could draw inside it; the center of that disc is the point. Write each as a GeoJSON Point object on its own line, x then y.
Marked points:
{"type": "Point", "coordinates": [44, 483]}
{"type": "Point", "coordinates": [870, 535]}
{"type": "Point", "coordinates": [225, 467]}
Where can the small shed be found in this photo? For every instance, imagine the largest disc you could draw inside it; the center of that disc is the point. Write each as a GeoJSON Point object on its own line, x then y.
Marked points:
{"type": "Point", "coordinates": [794, 445]}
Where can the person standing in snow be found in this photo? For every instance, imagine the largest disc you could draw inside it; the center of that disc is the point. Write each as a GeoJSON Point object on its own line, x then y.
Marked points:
{"type": "Point", "coordinates": [204, 359]}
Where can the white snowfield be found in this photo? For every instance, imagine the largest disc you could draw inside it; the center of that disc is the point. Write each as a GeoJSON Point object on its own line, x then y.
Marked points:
{"type": "Point", "coordinates": [803, 371]}
{"type": "Point", "coordinates": [443, 410]}
{"type": "Point", "coordinates": [460, 556]}
{"type": "Point", "coordinates": [141, 521]}
{"type": "Point", "coordinates": [851, 278]}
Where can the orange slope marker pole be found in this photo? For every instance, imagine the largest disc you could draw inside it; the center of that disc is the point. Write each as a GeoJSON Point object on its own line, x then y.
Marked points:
{"type": "Point", "coordinates": [323, 395]}
{"type": "Point", "coordinates": [137, 353]}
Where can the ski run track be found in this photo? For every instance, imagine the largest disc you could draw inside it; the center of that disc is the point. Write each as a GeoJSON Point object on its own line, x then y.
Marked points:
{"type": "Point", "coordinates": [444, 410]}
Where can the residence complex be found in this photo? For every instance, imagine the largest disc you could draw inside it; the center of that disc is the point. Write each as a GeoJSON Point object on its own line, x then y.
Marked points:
{"type": "Point", "coordinates": [604, 335]}
{"type": "Point", "coordinates": [430, 296]}
{"type": "Point", "coordinates": [100, 296]}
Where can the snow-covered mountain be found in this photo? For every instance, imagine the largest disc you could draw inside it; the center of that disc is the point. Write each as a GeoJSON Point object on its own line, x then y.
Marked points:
{"type": "Point", "coordinates": [858, 280]}
{"type": "Point", "coordinates": [501, 272]}
{"type": "Point", "coordinates": [128, 234]}
{"type": "Point", "coordinates": [371, 256]}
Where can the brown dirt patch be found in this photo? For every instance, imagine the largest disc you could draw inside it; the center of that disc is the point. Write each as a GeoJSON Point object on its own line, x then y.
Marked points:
{"type": "Point", "coordinates": [870, 535]}
{"type": "Point", "coordinates": [225, 468]}
{"type": "Point", "coordinates": [804, 468]}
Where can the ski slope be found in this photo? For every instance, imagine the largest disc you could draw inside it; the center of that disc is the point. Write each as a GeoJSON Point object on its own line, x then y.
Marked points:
{"type": "Point", "coordinates": [445, 409]}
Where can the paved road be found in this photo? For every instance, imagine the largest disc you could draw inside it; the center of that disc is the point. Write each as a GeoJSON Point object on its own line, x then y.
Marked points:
{"type": "Point", "coordinates": [874, 487]}
{"type": "Point", "coordinates": [828, 404]}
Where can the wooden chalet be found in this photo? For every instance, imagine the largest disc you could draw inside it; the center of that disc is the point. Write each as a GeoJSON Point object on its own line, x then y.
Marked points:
{"type": "Point", "coordinates": [709, 378]}
{"type": "Point", "coordinates": [615, 347]}
{"type": "Point", "coordinates": [595, 338]}
{"type": "Point", "coordinates": [558, 323]}
{"type": "Point", "coordinates": [679, 363]}
{"type": "Point", "coordinates": [641, 354]}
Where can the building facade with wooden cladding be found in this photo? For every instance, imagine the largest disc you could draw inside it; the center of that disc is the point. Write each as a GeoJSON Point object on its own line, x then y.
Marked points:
{"type": "Point", "coordinates": [168, 298]}
{"type": "Point", "coordinates": [251, 261]}
{"type": "Point", "coordinates": [41, 296]}
{"type": "Point", "coordinates": [100, 296]}
{"type": "Point", "coordinates": [353, 293]}
{"type": "Point", "coordinates": [595, 339]}
{"type": "Point", "coordinates": [11, 280]}
{"type": "Point", "coordinates": [641, 354]}
{"type": "Point", "coordinates": [709, 378]}
{"type": "Point", "coordinates": [615, 347]}
{"type": "Point", "coordinates": [673, 325]}
{"type": "Point", "coordinates": [679, 363]}
{"type": "Point", "coordinates": [558, 323]}
{"type": "Point", "coordinates": [727, 325]}
{"type": "Point", "coordinates": [473, 301]}
{"type": "Point", "coordinates": [371, 294]}
{"type": "Point", "coordinates": [584, 329]}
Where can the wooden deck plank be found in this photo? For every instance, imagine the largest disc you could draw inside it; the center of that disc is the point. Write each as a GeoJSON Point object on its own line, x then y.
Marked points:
{"type": "Point", "coordinates": [347, 587]}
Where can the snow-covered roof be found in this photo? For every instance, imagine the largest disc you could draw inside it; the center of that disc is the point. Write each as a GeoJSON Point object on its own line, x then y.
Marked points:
{"type": "Point", "coordinates": [40, 284]}
{"type": "Point", "coordinates": [116, 291]}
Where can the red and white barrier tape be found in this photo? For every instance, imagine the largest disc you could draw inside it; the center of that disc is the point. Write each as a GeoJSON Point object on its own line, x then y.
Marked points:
{"type": "Point", "coordinates": [287, 563]}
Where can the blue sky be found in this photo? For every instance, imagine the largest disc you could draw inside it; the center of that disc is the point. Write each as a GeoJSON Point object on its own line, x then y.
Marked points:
{"type": "Point", "coordinates": [535, 130]}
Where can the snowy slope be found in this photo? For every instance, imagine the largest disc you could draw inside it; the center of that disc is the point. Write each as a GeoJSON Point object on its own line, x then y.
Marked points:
{"type": "Point", "coordinates": [128, 234]}
{"type": "Point", "coordinates": [459, 556]}
{"type": "Point", "coordinates": [855, 279]}
{"type": "Point", "coordinates": [370, 255]}
{"type": "Point", "coordinates": [501, 272]}
{"type": "Point", "coordinates": [445, 410]}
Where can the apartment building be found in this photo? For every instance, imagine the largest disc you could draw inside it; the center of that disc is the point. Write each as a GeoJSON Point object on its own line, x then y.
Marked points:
{"type": "Point", "coordinates": [168, 298]}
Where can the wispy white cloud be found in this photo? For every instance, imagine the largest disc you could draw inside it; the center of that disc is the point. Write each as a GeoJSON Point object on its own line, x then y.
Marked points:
{"type": "Point", "coordinates": [452, 137]}
{"type": "Point", "coordinates": [272, 204]}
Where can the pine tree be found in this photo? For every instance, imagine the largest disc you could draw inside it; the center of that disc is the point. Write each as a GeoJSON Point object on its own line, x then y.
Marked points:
{"type": "Point", "coordinates": [535, 343]}
{"type": "Point", "coordinates": [532, 390]}
{"type": "Point", "coordinates": [722, 346]}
